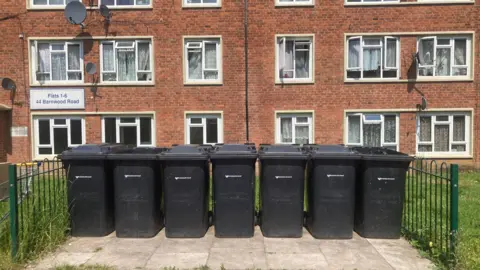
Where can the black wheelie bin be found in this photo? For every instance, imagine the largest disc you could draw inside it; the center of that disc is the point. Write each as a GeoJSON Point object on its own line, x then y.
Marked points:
{"type": "Point", "coordinates": [185, 187]}
{"type": "Point", "coordinates": [331, 191]}
{"type": "Point", "coordinates": [137, 192]}
{"type": "Point", "coordinates": [90, 189]}
{"type": "Point", "coordinates": [282, 181]}
{"type": "Point", "coordinates": [233, 168]}
{"type": "Point", "coordinates": [380, 192]}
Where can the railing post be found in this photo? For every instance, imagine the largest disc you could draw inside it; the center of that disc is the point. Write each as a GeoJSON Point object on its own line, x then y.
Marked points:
{"type": "Point", "coordinates": [453, 205]}
{"type": "Point", "coordinates": [12, 180]}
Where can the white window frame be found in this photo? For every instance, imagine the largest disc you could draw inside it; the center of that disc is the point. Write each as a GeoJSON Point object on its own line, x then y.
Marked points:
{"type": "Point", "coordinates": [382, 124]}
{"type": "Point", "coordinates": [186, 4]}
{"type": "Point", "coordinates": [468, 60]}
{"type": "Point", "coordinates": [137, 117]}
{"type": "Point", "coordinates": [367, 2]}
{"type": "Point", "coordinates": [48, 6]}
{"type": "Point", "coordinates": [192, 43]}
{"type": "Point", "coordinates": [300, 38]}
{"type": "Point", "coordinates": [135, 5]}
{"type": "Point", "coordinates": [294, 116]}
{"type": "Point", "coordinates": [383, 52]}
{"type": "Point", "coordinates": [52, 125]}
{"type": "Point", "coordinates": [204, 116]}
{"type": "Point", "coordinates": [450, 153]}
{"type": "Point", "coordinates": [280, 3]}
{"type": "Point", "coordinates": [34, 62]}
{"type": "Point", "coordinates": [115, 67]}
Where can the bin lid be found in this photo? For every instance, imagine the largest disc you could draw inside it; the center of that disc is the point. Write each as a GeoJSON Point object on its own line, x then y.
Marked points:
{"type": "Point", "coordinates": [91, 151]}
{"type": "Point", "coordinates": [137, 153]}
{"type": "Point", "coordinates": [282, 151]}
{"type": "Point", "coordinates": [229, 151]}
{"type": "Point", "coordinates": [332, 151]}
{"type": "Point", "coordinates": [382, 154]}
{"type": "Point", "coordinates": [186, 152]}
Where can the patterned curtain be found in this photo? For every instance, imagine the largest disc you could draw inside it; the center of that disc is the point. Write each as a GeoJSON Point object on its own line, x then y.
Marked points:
{"type": "Point", "coordinates": [372, 135]}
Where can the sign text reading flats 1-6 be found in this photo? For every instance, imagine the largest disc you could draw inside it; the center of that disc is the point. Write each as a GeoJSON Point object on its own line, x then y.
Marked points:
{"type": "Point", "coordinates": [57, 99]}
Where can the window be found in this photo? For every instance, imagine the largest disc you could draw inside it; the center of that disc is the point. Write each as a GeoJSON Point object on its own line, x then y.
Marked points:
{"type": "Point", "coordinates": [126, 61]}
{"type": "Point", "coordinates": [371, 1]}
{"type": "Point", "coordinates": [294, 128]}
{"type": "Point", "coordinates": [374, 130]}
{"type": "Point", "coordinates": [294, 2]}
{"type": "Point", "coordinates": [294, 59]}
{"type": "Point", "coordinates": [122, 3]}
{"type": "Point", "coordinates": [203, 61]}
{"type": "Point", "coordinates": [131, 130]}
{"type": "Point", "coordinates": [443, 133]}
{"type": "Point", "coordinates": [57, 61]}
{"type": "Point", "coordinates": [51, 3]}
{"type": "Point", "coordinates": [440, 56]}
{"type": "Point", "coordinates": [202, 3]}
{"type": "Point", "coordinates": [204, 129]}
{"type": "Point", "coordinates": [373, 57]}
{"type": "Point", "coordinates": [55, 135]}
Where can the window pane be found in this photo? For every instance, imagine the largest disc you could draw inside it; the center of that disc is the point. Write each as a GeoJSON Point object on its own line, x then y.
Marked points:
{"type": "Point", "coordinates": [391, 56]}
{"type": "Point", "coordinates": [373, 117]}
{"type": "Point", "coordinates": [302, 119]}
{"type": "Point", "coordinates": [43, 57]}
{"type": "Point", "coordinates": [287, 71]}
{"type": "Point", "coordinates": [211, 75]}
{"type": "Point", "coordinates": [441, 138]}
{"type": "Point", "coordinates": [126, 65]}
{"type": "Point", "coordinates": [354, 53]}
{"type": "Point", "coordinates": [39, 2]}
{"type": "Point", "coordinates": [460, 51]}
{"type": "Point", "coordinates": [143, 56]}
{"type": "Point", "coordinates": [354, 129]}
{"type": "Point", "coordinates": [195, 120]}
{"type": "Point", "coordinates": [372, 135]}
{"type": "Point", "coordinates": [110, 130]}
{"type": "Point", "coordinates": [194, 64]}
{"type": "Point", "coordinates": [127, 120]}
{"type": "Point", "coordinates": [442, 118]}
{"type": "Point", "coordinates": [74, 57]}
{"type": "Point", "coordinates": [60, 140]}
{"type": "Point", "coordinates": [210, 56]}
{"type": "Point", "coordinates": [460, 71]}
{"type": "Point", "coordinates": [60, 121]}
{"type": "Point", "coordinates": [125, 2]}
{"type": "Point", "coordinates": [301, 134]}
{"type": "Point", "coordinates": [57, 47]}
{"type": "Point", "coordinates": [302, 64]}
{"type": "Point", "coordinates": [128, 135]}
{"type": "Point", "coordinates": [425, 51]}
{"type": "Point", "coordinates": [143, 2]}
{"type": "Point", "coordinates": [196, 135]}
{"type": "Point", "coordinates": [212, 130]}
{"type": "Point", "coordinates": [286, 130]}
{"type": "Point", "coordinates": [108, 63]}
{"type": "Point", "coordinates": [372, 41]}
{"type": "Point", "coordinates": [425, 128]}
{"type": "Point", "coordinates": [424, 148]}
{"type": "Point", "coordinates": [459, 148]}
{"type": "Point", "coordinates": [44, 131]}
{"type": "Point", "coordinates": [443, 41]}
{"type": "Point", "coordinates": [459, 128]}
{"type": "Point", "coordinates": [371, 62]}
{"type": "Point", "coordinates": [443, 62]}
{"type": "Point", "coordinates": [108, 2]}
{"type": "Point", "coordinates": [145, 130]}
{"type": "Point", "coordinates": [76, 131]}
{"type": "Point", "coordinates": [59, 66]}
{"type": "Point", "coordinates": [45, 150]}
{"type": "Point", "coordinates": [390, 128]}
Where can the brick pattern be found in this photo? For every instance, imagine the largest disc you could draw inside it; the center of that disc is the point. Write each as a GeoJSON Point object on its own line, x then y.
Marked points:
{"type": "Point", "coordinates": [167, 22]}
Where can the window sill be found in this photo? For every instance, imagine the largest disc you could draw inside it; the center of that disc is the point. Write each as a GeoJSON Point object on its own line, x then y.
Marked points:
{"type": "Point", "coordinates": [309, 81]}
{"type": "Point", "coordinates": [352, 81]}
{"type": "Point", "coordinates": [44, 8]}
{"type": "Point", "coordinates": [203, 83]}
{"type": "Point", "coordinates": [201, 6]}
{"type": "Point", "coordinates": [444, 156]}
{"type": "Point", "coordinates": [81, 84]}
{"type": "Point", "coordinates": [460, 2]}
{"type": "Point", "coordinates": [307, 4]}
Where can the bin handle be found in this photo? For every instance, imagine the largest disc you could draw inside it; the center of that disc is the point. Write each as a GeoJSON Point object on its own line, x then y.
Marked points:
{"type": "Point", "coordinates": [233, 176]}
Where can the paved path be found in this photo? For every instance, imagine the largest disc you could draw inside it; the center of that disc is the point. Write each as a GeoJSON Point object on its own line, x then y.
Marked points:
{"type": "Point", "coordinates": [251, 253]}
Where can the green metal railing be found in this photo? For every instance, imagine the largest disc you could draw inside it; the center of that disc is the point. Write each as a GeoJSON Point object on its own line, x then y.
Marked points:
{"type": "Point", "coordinates": [37, 208]}
{"type": "Point", "coordinates": [430, 212]}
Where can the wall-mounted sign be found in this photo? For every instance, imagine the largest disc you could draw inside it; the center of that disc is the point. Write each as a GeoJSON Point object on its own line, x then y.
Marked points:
{"type": "Point", "coordinates": [57, 99]}
{"type": "Point", "coordinates": [19, 131]}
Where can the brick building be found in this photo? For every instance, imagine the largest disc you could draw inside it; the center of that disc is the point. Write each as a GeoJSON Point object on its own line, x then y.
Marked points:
{"type": "Point", "coordinates": [167, 72]}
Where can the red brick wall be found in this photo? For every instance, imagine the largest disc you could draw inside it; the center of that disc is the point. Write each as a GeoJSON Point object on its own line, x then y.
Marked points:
{"type": "Point", "coordinates": [329, 96]}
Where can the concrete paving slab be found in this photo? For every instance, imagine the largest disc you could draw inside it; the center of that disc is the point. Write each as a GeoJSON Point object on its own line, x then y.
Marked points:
{"type": "Point", "coordinates": [121, 260]}
{"type": "Point", "coordinates": [160, 260]}
{"type": "Point", "coordinates": [296, 261]}
{"type": "Point", "coordinates": [291, 246]}
{"type": "Point", "coordinates": [64, 258]}
{"type": "Point", "coordinates": [86, 244]}
{"type": "Point", "coordinates": [236, 259]}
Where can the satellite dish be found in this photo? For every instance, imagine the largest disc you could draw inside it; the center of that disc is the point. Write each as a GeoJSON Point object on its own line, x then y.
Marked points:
{"type": "Point", "coordinates": [105, 12]}
{"type": "Point", "coordinates": [91, 68]}
{"type": "Point", "coordinates": [8, 84]}
{"type": "Point", "coordinates": [75, 12]}
{"type": "Point", "coordinates": [424, 103]}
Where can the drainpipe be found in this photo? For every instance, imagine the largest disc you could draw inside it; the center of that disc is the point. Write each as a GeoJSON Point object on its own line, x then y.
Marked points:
{"type": "Point", "coordinates": [245, 25]}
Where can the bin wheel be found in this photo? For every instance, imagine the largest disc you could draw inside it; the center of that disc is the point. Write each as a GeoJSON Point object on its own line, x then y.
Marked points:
{"type": "Point", "coordinates": [210, 218]}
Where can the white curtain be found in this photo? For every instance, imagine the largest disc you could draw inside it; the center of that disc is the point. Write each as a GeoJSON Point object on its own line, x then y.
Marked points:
{"type": "Point", "coordinates": [288, 58]}
{"type": "Point", "coordinates": [425, 51]}
{"type": "Point", "coordinates": [286, 130]}
{"type": "Point", "coordinates": [126, 65]}
{"type": "Point", "coordinates": [391, 60]}
{"type": "Point", "coordinates": [59, 67]}
{"type": "Point", "coordinates": [390, 128]}
{"type": "Point", "coordinates": [354, 53]}
{"type": "Point", "coordinates": [458, 128]}
{"type": "Point", "coordinates": [43, 60]}
{"type": "Point", "coordinates": [372, 135]}
{"type": "Point", "coordinates": [143, 56]}
{"type": "Point", "coordinates": [301, 134]}
{"type": "Point", "coordinates": [425, 128]}
{"type": "Point", "coordinates": [354, 129]}
{"type": "Point", "coordinates": [371, 59]}
{"type": "Point", "coordinates": [108, 55]}
{"type": "Point", "coordinates": [195, 64]}
{"type": "Point", "coordinates": [443, 62]}
{"type": "Point", "coordinates": [74, 62]}
{"type": "Point", "coordinates": [441, 138]}
{"type": "Point", "coordinates": [302, 64]}
{"type": "Point", "coordinates": [211, 60]}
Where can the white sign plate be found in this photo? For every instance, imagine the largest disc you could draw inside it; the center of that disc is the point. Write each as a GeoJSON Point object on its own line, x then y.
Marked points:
{"type": "Point", "coordinates": [19, 131]}
{"type": "Point", "coordinates": [57, 99]}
